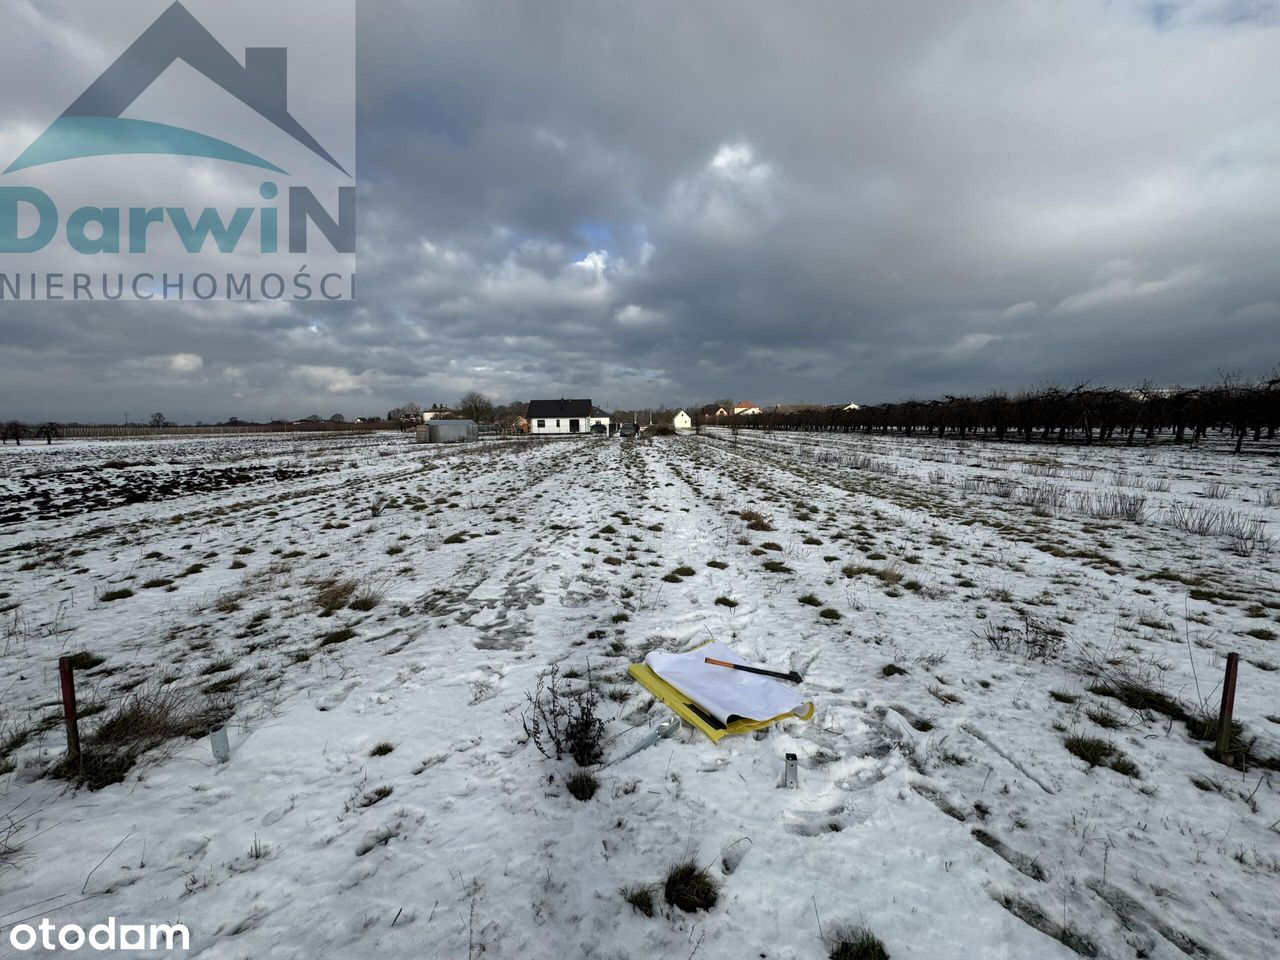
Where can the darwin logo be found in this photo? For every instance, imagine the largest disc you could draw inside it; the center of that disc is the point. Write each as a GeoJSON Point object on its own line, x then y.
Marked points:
{"type": "Point", "coordinates": [143, 226]}
{"type": "Point", "coordinates": [93, 125]}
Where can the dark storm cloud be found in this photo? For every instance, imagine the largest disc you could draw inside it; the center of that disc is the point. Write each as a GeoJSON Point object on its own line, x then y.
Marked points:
{"type": "Point", "coordinates": [660, 202]}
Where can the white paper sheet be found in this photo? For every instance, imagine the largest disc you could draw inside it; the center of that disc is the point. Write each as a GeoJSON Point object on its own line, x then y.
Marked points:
{"type": "Point", "coordinates": [722, 692]}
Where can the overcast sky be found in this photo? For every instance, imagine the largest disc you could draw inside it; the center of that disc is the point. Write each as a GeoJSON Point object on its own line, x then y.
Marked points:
{"type": "Point", "coordinates": [661, 202]}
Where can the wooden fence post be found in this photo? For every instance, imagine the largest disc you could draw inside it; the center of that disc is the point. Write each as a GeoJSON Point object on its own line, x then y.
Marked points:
{"type": "Point", "coordinates": [69, 709]}
{"type": "Point", "coordinates": [1228, 705]}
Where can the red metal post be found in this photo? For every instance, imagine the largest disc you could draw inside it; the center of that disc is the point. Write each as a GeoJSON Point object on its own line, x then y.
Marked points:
{"type": "Point", "coordinates": [69, 708]}
{"type": "Point", "coordinates": [1228, 705]}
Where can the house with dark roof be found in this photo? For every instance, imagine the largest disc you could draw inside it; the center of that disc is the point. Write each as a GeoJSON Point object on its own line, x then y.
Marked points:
{"type": "Point", "coordinates": [552, 417]}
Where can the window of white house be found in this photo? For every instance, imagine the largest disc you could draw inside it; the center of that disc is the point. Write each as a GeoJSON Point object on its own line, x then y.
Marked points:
{"type": "Point", "coordinates": [542, 424]}
{"type": "Point", "coordinates": [557, 423]}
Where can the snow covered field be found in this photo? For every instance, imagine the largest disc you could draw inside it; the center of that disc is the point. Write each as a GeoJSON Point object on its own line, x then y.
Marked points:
{"type": "Point", "coordinates": [962, 613]}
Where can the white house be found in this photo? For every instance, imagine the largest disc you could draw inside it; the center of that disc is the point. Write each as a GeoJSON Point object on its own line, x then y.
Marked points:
{"type": "Point", "coordinates": [552, 417]}
{"type": "Point", "coordinates": [745, 409]}
{"type": "Point", "coordinates": [682, 421]}
{"type": "Point", "coordinates": [853, 406]}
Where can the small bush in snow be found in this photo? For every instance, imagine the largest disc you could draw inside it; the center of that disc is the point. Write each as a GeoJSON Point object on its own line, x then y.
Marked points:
{"type": "Point", "coordinates": [561, 719]}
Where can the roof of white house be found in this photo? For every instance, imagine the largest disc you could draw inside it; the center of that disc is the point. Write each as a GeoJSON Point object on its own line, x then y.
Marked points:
{"type": "Point", "coordinates": [542, 409]}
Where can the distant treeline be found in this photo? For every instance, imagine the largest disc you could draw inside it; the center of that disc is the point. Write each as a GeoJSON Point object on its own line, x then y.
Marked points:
{"type": "Point", "coordinates": [48, 432]}
{"type": "Point", "coordinates": [1053, 413]}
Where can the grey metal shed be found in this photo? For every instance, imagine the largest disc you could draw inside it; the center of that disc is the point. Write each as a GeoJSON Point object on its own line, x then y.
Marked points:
{"type": "Point", "coordinates": [448, 431]}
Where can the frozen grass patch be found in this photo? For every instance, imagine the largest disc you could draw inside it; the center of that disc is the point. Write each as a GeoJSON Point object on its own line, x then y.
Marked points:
{"type": "Point", "coordinates": [332, 595]}
{"type": "Point", "coordinates": [333, 637]}
{"type": "Point", "coordinates": [690, 888]}
{"type": "Point", "coordinates": [857, 944]}
{"type": "Point", "coordinates": [640, 898]}
{"type": "Point", "coordinates": [145, 722]}
{"type": "Point", "coordinates": [84, 660]}
{"type": "Point", "coordinates": [582, 785]}
{"type": "Point", "coordinates": [1099, 753]}
{"type": "Point", "coordinates": [1103, 718]}
{"type": "Point", "coordinates": [756, 520]}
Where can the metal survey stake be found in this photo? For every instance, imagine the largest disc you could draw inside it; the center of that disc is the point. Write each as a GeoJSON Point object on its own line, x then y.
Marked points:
{"type": "Point", "coordinates": [791, 772]}
{"type": "Point", "coordinates": [221, 748]}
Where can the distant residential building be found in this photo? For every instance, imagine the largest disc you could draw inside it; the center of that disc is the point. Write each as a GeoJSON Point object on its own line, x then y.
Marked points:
{"type": "Point", "coordinates": [682, 421]}
{"type": "Point", "coordinates": [713, 411]}
{"type": "Point", "coordinates": [745, 409]}
{"type": "Point", "coordinates": [853, 406]}
{"type": "Point", "coordinates": [552, 417]}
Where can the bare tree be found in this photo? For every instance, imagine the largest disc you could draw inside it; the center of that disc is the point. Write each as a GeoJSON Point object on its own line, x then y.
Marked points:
{"type": "Point", "coordinates": [159, 420]}
{"type": "Point", "coordinates": [476, 406]}
{"type": "Point", "coordinates": [14, 430]}
{"type": "Point", "coordinates": [48, 432]}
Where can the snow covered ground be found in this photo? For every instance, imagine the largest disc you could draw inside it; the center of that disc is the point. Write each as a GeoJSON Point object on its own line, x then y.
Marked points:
{"type": "Point", "coordinates": [961, 612]}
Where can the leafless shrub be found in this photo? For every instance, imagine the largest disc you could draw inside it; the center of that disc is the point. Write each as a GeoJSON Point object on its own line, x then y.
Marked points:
{"type": "Point", "coordinates": [1032, 638]}
{"type": "Point", "coordinates": [1247, 534]}
{"type": "Point", "coordinates": [1112, 505]}
{"type": "Point", "coordinates": [989, 488]}
{"type": "Point", "coordinates": [1044, 499]}
{"type": "Point", "coordinates": [1248, 539]}
{"type": "Point", "coordinates": [1189, 519]}
{"type": "Point", "coordinates": [1041, 469]}
{"type": "Point", "coordinates": [561, 719]}
{"type": "Point", "coordinates": [1215, 491]}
